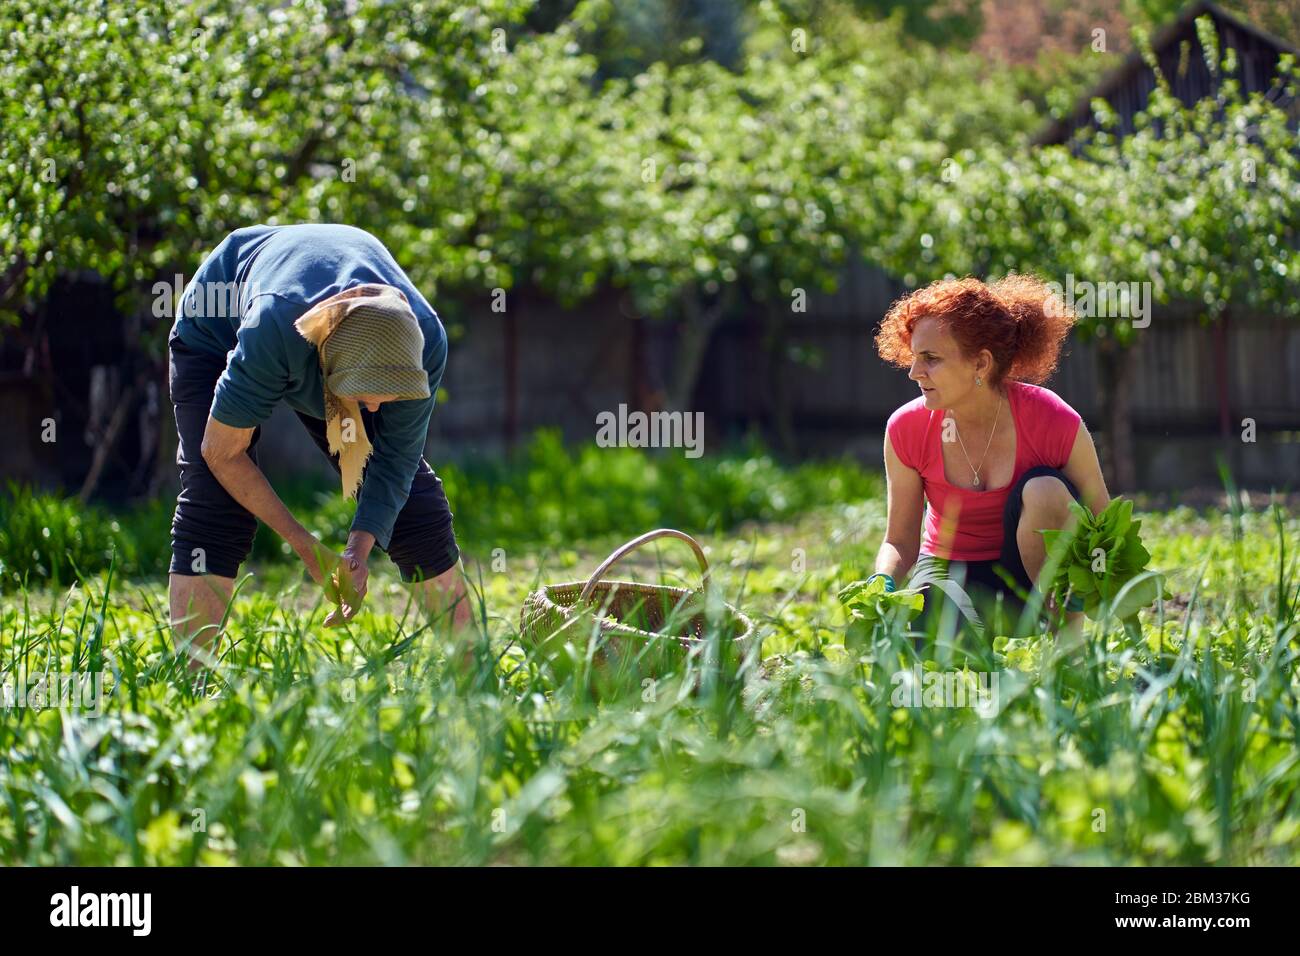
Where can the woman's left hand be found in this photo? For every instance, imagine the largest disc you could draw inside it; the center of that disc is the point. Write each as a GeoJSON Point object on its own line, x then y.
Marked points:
{"type": "Point", "coordinates": [352, 579]}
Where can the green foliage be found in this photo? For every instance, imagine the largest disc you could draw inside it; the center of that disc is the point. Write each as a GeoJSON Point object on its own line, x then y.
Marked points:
{"type": "Point", "coordinates": [485, 156]}
{"type": "Point", "coordinates": [764, 180]}
{"type": "Point", "coordinates": [138, 134]}
{"type": "Point", "coordinates": [628, 37]}
{"type": "Point", "coordinates": [549, 497]}
{"type": "Point", "coordinates": [47, 539]}
{"type": "Point", "coordinates": [871, 607]}
{"type": "Point", "coordinates": [1202, 201]}
{"type": "Point", "coordinates": [366, 746]}
{"type": "Point", "coordinates": [1102, 561]}
{"type": "Point", "coordinates": [938, 22]}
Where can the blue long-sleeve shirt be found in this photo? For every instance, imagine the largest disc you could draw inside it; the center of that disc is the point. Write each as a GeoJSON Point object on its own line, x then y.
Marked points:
{"type": "Point", "coordinates": [242, 304]}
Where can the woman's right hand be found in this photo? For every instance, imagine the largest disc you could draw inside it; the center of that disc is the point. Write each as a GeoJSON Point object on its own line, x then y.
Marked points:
{"type": "Point", "coordinates": [319, 560]}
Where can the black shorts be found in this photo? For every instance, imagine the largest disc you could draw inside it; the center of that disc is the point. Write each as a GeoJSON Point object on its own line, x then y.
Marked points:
{"type": "Point", "coordinates": [212, 533]}
{"type": "Point", "coordinates": [969, 584]}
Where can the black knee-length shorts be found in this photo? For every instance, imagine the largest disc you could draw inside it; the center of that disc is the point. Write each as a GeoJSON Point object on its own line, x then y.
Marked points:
{"type": "Point", "coordinates": [212, 533]}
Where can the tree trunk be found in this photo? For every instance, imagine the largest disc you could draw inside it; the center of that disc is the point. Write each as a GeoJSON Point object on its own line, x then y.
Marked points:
{"type": "Point", "coordinates": [1223, 395]}
{"type": "Point", "coordinates": [693, 343]}
{"type": "Point", "coordinates": [106, 442]}
{"type": "Point", "coordinates": [165, 469]}
{"type": "Point", "coordinates": [1115, 399]}
{"type": "Point", "coordinates": [510, 422]}
{"type": "Point", "coordinates": [782, 416]}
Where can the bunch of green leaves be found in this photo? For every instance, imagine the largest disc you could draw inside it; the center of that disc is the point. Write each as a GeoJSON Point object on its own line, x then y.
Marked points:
{"type": "Point", "coordinates": [871, 607]}
{"type": "Point", "coordinates": [1103, 561]}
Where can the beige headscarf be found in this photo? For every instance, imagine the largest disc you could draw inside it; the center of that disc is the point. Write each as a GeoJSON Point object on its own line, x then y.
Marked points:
{"type": "Point", "coordinates": [369, 343]}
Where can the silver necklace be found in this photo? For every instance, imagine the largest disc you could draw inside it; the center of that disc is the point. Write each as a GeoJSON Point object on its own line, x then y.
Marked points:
{"type": "Point", "coordinates": [992, 432]}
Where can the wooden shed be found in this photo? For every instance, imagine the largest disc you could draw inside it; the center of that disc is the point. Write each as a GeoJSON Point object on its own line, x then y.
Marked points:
{"type": "Point", "coordinates": [1177, 50]}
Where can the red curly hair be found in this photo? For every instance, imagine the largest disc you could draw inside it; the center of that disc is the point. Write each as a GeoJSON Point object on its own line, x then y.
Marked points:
{"type": "Point", "coordinates": [1017, 318]}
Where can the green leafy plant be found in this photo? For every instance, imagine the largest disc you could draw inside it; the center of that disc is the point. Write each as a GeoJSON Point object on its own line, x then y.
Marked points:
{"type": "Point", "coordinates": [869, 606]}
{"type": "Point", "coordinates": [1102, 561]}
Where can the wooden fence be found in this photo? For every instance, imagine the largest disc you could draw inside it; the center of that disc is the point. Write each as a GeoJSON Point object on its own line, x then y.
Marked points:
{"type": "Point", "coordinates": [538, 365]}
{"type": "Point", "coordinates": [1178, 364]}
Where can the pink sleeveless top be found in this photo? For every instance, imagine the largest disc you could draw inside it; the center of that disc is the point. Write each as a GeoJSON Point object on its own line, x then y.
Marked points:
{"type": "Point", "coordinates": [960, 523]}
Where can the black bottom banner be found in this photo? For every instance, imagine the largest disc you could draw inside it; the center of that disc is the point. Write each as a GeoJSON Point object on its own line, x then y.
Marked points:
{"type": "Point", "coordinates": [334, 906]}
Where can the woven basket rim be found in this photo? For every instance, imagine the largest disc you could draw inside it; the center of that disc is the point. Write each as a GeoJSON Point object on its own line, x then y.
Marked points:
{"type": "Point", "coordinates": [543, 596]}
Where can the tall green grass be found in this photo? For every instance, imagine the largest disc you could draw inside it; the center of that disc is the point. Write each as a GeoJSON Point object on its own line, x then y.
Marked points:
{"type": "Point", "coordinates": [1180, 746]}
{"type": "Point", "coordinates": [549, 495]}
{"type": "Point", "coordinates": [49, 539]}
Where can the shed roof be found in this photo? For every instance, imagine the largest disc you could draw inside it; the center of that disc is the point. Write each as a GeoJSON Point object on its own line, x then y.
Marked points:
{"type": "Point", "coordinates": [1059, 130]}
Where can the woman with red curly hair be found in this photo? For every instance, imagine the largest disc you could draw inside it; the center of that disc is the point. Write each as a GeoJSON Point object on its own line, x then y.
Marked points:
{"type": "Point", "coordinates": [995, 456]}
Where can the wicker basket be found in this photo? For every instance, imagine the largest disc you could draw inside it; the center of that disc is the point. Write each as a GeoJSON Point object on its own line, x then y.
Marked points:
{"type": "Point", "coordinates": [631, 616]}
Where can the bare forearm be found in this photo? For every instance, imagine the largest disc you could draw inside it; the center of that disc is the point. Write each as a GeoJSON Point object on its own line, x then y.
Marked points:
{"type": "Point", "coordinates": [247, 485]}
{"type": "Point", "coordinates": [1098, 500]}
{"type": "Point", "coordinates": [359, 544]}
{"type": "Point", "coordinates": [893, 560]}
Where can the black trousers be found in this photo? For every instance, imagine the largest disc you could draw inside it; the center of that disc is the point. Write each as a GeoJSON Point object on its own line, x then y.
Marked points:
{"type": "Point", "coordinates": [212, 533]}
{"type": "Point", "coordinates": [973, 584]}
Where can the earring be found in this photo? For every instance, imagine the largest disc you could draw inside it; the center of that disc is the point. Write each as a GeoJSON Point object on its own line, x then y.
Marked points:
{"type": "Point", "coordinates": [977, 380]}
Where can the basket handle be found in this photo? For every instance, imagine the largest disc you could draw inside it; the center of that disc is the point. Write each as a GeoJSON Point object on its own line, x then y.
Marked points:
{"type": "Point", "coordinates": [635, 543]}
